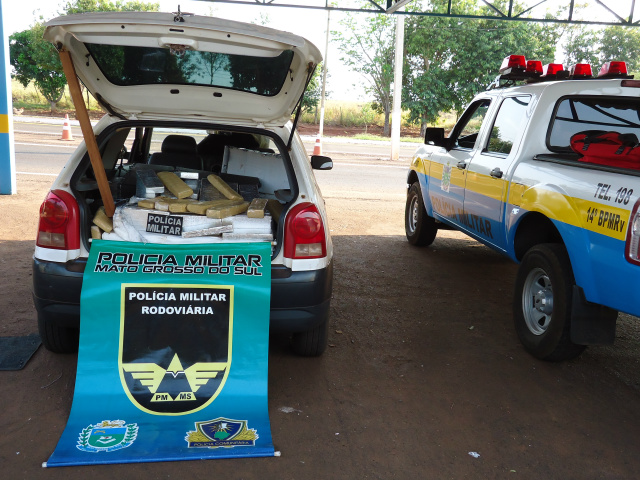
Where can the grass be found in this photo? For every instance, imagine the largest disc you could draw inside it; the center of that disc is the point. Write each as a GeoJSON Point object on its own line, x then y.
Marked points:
{"type": "Point", "coordinates": [31, 99]}
{"type": "Point", "coordinates": [347, 114]}
{"type": "Point", "coordinates": [366, 136]}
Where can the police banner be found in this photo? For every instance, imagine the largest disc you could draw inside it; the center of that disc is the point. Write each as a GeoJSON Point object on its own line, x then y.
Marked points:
{"type": "Point", "coordinates": [173, 355]}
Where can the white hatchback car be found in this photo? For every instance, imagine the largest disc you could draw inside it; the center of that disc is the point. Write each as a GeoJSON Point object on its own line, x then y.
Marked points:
{"type": "Point", "coordinates": [192, 95]}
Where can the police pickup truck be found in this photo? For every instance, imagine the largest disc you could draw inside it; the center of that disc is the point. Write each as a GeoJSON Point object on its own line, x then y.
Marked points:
{"type": "Point", "coordinates": [508, 177]}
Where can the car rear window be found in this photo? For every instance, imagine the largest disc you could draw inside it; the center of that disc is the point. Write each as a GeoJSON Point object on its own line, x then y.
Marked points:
{"type": "Point", "coordinates": [579, 114]}
{"type": "Point", "coordinates": [130, 65]}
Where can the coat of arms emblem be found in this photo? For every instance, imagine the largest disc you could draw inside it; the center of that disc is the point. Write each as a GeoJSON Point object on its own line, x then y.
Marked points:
{"type": "Point", "coordinates": [107, 436]}
{"type": "Point", "coordinates": [222, 432]}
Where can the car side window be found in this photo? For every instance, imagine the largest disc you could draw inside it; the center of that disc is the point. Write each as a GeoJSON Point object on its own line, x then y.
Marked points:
{"type": "Point", "coordinates": [466, 130]}
{"type": "Point", "coordinates": [509, 124]}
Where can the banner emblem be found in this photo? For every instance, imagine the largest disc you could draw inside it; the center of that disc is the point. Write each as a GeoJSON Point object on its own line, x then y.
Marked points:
{"type": "Point", "coordinates": [221, 432]}
{"type": "Point", "coordinates": [107, 436]}
{"type": "Point", "coordinates": [175, 345]}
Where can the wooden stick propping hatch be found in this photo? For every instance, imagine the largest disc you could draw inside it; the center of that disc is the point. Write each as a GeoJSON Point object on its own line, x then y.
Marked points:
{"type": "Point", "coordinates": [87, 133]}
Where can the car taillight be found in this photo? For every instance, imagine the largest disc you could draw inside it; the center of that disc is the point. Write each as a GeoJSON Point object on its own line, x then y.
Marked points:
{"type": "Point", "coordinates": [632, 248]}
{"type": "Point", "coordinates": [304, 233]}
{"type": "Point", "coordinates": [59, 225]}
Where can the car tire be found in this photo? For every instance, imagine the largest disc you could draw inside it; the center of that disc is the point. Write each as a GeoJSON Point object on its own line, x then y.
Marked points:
{"type": "Point", "coordinates": [311, 343]}
{"type": "Point", "coordinates": [58, 339]}
{"type": "Point", "coordinates": [543, 303]}
{"type": "Point", "coordinates": [420, 228]}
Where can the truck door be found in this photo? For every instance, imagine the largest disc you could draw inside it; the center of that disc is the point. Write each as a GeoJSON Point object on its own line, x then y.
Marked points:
{"type": "Point", "coordinates": [448, 168]}
{"type": "Point", "coordinates": [486, 186]}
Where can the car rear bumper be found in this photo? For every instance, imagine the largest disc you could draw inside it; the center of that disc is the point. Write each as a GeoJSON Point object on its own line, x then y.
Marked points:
{"type": "Point", "coordinates": [299, 300]}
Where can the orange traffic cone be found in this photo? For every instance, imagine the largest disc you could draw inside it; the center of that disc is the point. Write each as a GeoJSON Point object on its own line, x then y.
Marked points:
{"type": "Point", "coordinates": [66, 129]}
{"type": "Point", "coordinates": [317, 148]}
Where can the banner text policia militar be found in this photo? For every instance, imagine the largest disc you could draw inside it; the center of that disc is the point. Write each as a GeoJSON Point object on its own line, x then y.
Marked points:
{"type": "Point", "coordinates": [122, 262]}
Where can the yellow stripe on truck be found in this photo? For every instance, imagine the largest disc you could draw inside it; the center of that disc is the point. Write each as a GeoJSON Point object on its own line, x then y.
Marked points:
{"type": "Point", "coordinates": [595, 217]}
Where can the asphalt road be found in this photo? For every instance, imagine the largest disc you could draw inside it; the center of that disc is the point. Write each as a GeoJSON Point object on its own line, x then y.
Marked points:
{"type": "Point", "coordinates": [424, 376]}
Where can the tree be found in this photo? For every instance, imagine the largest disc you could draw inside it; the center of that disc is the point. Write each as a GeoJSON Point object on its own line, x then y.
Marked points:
{"type": "Point", "coordinates": [83, 6]}
{"type": "Point", "coordinates": [448, 61]}
{"type": "Point", "coordinates": [35, 59]}
{"type": "Point", "coordinates": [596, 46]}
{"type": "Point", "coordinates": [314, 91]}
{"type": "Point", "coordinates": [368, 48]}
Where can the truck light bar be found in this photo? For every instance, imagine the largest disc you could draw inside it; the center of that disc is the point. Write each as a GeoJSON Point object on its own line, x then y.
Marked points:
{"type": "Point", "coordinates": [516, 68]}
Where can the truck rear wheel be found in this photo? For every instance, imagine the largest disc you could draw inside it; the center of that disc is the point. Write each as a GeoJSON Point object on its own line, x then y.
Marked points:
{"type": "Point", "coordinates": [543, 303]}
{"type": "Point", "coordinates": [420, 228]}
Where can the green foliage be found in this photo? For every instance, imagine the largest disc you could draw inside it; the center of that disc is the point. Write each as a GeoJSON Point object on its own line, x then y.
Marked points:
{"type": "Point", "coordinates": [314, 90]}
{"type": "Point", "coordinates": [35, 59]}
{"type": "Point", "coordinates": [448, 61]}
{"type": "Point", "coordinates": [599, 45]}
{"type": "Point", "coordinates": [83, 6]}
{"type": "Point", "coordinates": [368, 48]}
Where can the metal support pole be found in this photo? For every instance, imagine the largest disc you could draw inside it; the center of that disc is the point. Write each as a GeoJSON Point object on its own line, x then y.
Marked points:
{"type": "Point", "coordinates": [396, 114]}
{"type": "Point", "coordinates": [324, 77]}
{"type": "Point", "coordinates": [7, 151]}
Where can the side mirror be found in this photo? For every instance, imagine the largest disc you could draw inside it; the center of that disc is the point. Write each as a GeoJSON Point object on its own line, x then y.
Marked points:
{"type": "Point", "coordinates": [320, 162]}
{"type": "Point", "coordinates": [435, 136]}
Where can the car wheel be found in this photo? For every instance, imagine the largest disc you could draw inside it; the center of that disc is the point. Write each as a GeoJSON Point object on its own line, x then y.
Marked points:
{"type": "Point", "coordinates": [311, 343]}
{"type": "Point", "coordinates": [543, 303]}
{"type": "Point", "coordinates": [420, 228]}
{"type": "Point", "coordinates": [58, 339]}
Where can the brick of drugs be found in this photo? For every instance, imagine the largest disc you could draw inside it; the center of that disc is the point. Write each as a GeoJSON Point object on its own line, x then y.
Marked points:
{"type": "Point", "coordinates": [225, 189]}
{"type": "Point", "coordinates": [147, 203]}
{"type": "Point", "coordinates": [180, 206]}
{"type": "Point", "coordinates": [208, 192]}
{"type": "Point", "coordinates": [96, 233]}
{"type": "Point", "coordinates": [101, 220]}
{"type": "Point", "coordinates": [175, 185]}
{"type": "Point", "coordinates": [228, 210]}
{"type": "Point", "coordinates": [257, 208]}
{"type": "Point", "coordinates": [208, 231]}
{"type": "Point", "coordinates": [148, 185]}
{"type": "Point", "coordinates": [275, 208]}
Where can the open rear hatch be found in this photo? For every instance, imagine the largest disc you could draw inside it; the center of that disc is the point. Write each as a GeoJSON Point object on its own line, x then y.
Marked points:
{"type": "Point", "coordinates": [163, 65]}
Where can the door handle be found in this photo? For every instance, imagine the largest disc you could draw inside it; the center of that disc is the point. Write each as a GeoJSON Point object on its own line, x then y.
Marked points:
{"type": "Point", "coordinates": [496, 173]}
{"type": "Point", "coordinates": [462, 164]}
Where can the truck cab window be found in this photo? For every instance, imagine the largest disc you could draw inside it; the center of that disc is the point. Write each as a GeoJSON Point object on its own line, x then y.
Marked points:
{"type": "Point", "coordinates": [466, 130]}
{"type": "Point", "coordinates": [582, 113]}
{"type": "Point", "coordinates": [509, 124]}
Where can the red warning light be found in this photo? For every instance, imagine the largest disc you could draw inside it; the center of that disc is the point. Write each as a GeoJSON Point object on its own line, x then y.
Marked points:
{"type": "Point", "coordinates": [534, 67]}
{"type": "Point", "coordinates": [513, 62]}
{"type": "Point", "coordinates": [611, 69]}
{"type": "Point", "coordinates": [582, 70]}
{"type": "Point", "coordinates": [552, 69]}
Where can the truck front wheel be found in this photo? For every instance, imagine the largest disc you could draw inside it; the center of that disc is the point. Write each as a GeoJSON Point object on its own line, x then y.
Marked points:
{"type": "Point", "coordinates": [543, 303]}
{"type": "Point", "coordinates": [420, 228]}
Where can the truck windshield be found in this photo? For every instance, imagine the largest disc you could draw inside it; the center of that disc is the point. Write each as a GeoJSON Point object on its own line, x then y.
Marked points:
{"type": "Point", "coordinates": [579, 114]}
